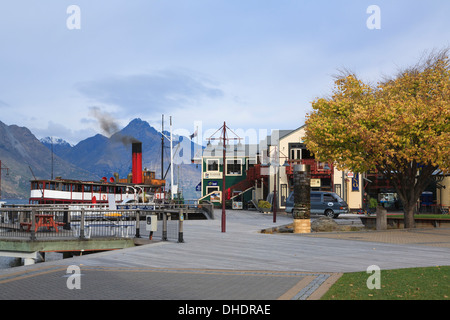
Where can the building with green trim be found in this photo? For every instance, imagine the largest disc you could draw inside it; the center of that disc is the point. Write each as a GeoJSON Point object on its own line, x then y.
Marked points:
{"type": "Point", "coordinates": [239, 161]}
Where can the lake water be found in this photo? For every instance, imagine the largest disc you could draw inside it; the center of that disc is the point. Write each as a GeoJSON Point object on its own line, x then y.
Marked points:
{"type": "Point", "coordinates": [8, 262]}
{"type": "Point", "coordinates": [15, 201]}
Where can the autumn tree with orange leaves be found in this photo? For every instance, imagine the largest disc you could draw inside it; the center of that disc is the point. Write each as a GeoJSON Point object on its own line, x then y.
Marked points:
{"type": "Point", "coordinates": [400, 127]}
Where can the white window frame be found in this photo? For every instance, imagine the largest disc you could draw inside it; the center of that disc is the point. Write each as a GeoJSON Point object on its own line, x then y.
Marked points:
{"type": "Point", "coordinates": [294, 153]}
{"type": "Point", "coordinates": [234, 174]}
{"type": "Point", "coordinates": [218, 165]}
{"type": "Point", "coordinates": [210, 189]}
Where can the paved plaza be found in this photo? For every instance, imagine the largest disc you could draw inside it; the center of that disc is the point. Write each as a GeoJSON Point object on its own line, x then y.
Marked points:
{"type": "Point", "coordinates": [239, 264]}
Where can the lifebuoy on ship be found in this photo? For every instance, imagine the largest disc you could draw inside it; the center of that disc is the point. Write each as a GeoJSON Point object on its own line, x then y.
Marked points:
{"type": "Point", "coordinates": [104, 197]}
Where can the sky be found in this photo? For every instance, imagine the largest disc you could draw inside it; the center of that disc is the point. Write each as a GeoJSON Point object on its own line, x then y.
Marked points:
{"type": "Point", "coordinates": [255, 64]}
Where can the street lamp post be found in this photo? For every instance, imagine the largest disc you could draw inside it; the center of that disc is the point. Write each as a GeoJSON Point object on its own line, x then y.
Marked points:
{"type": "Point", "coordinates": [275, 200]}
{"type": "Point", "coordinates": [276, 167]}
{"type": "Point", "coordinates": [223, 178]}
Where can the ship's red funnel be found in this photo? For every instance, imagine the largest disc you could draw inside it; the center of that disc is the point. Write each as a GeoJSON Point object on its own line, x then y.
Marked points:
{"type": "Point", "coordinates": [136, 149]}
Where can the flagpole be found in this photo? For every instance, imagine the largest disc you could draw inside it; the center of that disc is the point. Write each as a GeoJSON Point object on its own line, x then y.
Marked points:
{"type": "Point", "coordinates": [171, 158]}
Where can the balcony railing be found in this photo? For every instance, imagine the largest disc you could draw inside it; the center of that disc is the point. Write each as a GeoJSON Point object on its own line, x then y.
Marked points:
{"type": "Point", "coordinates": [317, 168]}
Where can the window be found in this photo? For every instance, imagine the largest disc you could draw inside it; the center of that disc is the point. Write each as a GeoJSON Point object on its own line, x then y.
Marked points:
{"type": "Point", "coordinates": [296, 154]}
{"type": "Point", "coordinates": [329, 198]}
{"type": "Point", "coordinates": [120, 189]}
{"type": "Point", "coordinates": [50, 185]}
{"type": "Point", "coordinates": [306, 154]}
{"type": "Point", "coordinates": [315, 197]}
{"type": "Point", "coordinates": [211, 189]}
{"type": "Point", "coordinates": [212, 165]}
{"type": "Point", "coordinates": [298, 151]}
{"type": "Point", "coordinates": [234, 167]}
{"type": "Point", "coordinates": [283, 193]}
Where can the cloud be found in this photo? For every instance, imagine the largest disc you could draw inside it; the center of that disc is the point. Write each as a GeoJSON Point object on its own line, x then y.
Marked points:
{"type": "Point", "coordinates": [69, 134]}
{"type": "Point", "coordinates": [158, 91]}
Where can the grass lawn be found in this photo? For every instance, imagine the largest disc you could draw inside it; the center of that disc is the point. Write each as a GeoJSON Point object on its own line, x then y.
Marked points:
{"type": "Point", "coordinates": [425, 216]}
{"type": "Point", "coordinates": [432, 283]}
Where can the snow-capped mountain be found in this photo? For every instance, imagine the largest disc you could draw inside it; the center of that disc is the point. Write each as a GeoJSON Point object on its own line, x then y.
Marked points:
{"type": "Point", "coordinates": [55, 141]}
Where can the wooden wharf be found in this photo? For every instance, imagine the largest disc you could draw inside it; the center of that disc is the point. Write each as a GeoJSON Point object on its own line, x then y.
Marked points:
{"type": "Point", "coordinates": [71, 229]}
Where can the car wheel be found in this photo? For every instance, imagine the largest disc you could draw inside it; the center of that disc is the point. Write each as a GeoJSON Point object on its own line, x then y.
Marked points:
{"type": "Point", "coordinates": [329, 213]}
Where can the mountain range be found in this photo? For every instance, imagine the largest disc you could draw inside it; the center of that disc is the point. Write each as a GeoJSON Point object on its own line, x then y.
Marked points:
{"type": "Point", "coordinates": [91, 159]}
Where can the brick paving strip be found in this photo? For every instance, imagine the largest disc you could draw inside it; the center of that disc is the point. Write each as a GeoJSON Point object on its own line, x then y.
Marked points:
{"type": "Point", "coordinates": [51, 285]}
{"type": "Point", "coordinates": [29, 273]}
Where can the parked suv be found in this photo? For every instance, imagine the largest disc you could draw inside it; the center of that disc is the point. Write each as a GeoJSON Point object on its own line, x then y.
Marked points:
{"type": "Point", "coordinates": [322, 202]}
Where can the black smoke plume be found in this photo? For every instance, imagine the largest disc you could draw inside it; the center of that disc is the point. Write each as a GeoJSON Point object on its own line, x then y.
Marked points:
{"type": "Point", "coordinates": [110, 128]}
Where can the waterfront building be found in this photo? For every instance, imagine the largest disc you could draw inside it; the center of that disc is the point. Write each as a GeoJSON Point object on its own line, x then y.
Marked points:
{"type": "Point", "coordinates": [254, 172]}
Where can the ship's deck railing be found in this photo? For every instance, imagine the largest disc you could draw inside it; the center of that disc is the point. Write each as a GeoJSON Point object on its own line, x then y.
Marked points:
{"type": "Point", "coordinates": [47, 222]}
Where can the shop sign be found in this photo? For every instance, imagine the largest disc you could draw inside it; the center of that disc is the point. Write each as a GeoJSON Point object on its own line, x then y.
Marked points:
{"type": "Point", "coordinates": [315, 183]}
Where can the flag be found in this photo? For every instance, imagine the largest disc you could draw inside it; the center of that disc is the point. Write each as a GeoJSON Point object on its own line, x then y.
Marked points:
{"type": "Point", "coordinates": [194, 134]}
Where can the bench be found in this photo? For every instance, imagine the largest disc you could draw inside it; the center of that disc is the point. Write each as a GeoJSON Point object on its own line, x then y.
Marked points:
{"type": "Point", "coordinates": [28, 225]}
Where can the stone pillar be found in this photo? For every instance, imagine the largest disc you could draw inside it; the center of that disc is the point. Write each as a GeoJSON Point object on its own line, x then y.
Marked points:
{"type": "Point", "coordinates": [381, 218]}
{"type": "Point", "coordinates": [302, 200]}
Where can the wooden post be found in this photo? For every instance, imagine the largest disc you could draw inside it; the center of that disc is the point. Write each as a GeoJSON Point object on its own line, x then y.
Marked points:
{"type": "Point", "coordinates": [66, 219]}
{"type": "Point", "coordinates": [164, 231]}
{"type": "Point", "coordinates": [180, 226]}
{"type": "Point", "coordinates": [82, 224]}
{"type": "Point", "coordinates": [138, 222]}
{"type": "Point", "coordinates": [33, 224]}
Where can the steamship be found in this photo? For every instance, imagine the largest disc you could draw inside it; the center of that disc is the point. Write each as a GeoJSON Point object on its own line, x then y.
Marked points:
{"type": "Point", "coordinates": [140, 186]}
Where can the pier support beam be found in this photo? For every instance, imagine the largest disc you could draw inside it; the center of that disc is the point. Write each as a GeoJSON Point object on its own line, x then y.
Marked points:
{"type": "Point", "coordinates": [28, 257]}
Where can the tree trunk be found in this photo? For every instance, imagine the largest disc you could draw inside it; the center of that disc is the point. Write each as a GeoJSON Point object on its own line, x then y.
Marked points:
{"type": "Point", "coordinates": [406, 193]}
{"type": "Point", "coordinates": [409, 216]}
{"type": "Point", "coordinates": [410, 181]}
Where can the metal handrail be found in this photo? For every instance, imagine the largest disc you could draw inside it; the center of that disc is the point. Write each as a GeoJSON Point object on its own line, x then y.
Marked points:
{"type": "Point", "coordinates": [20, 222]}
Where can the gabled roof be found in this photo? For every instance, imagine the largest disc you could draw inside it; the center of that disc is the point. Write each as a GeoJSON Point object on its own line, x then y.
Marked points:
{"type": "Point", "coordinates": [282, 134]}
{"type": "Point", "coordinates": [232, 150]}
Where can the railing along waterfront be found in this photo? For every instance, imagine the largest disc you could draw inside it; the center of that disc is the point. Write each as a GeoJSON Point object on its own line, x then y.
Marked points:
{"type": "Point", "coordinates": [44, 222]}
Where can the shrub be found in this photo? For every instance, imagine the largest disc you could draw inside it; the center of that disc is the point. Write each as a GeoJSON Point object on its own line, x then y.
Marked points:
{"type": "Point", "coordinates": [373, 203]}
{"type": "Point", "coordinates": [264, 204]}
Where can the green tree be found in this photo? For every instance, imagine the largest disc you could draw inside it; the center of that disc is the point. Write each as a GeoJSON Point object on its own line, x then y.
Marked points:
{"type": "Point", "coordinates": [399, 127]}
